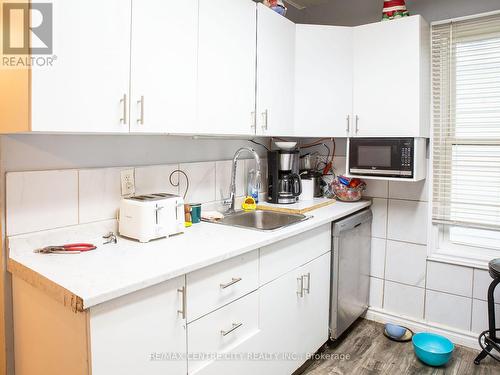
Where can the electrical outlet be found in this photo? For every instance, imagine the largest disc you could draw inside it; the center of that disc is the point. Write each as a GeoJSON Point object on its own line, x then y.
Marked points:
{"type": "Point", "coordinates": [128, 182]}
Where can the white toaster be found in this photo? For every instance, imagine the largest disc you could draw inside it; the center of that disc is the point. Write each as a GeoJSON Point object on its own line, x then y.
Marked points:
{"type": "Point", "coordinates": [152, 216]}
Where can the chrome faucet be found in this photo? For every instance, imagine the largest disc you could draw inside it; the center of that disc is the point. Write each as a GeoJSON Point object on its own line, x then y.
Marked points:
{"type": "Point", "coordinates": [232, 186]}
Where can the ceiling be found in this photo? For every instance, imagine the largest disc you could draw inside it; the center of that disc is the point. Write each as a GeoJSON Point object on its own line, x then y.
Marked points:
{"type": "Point", "coordinates": [302, 4]}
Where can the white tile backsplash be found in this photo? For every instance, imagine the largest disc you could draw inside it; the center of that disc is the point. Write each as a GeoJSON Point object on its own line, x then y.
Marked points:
{"type": "Point", "coordinates": [223, 178]}
{"type": "Point", "coordinates": [201, 182]}
{"type": "Point", "coordinates": [376, 292]}
{"type": "Point", "coordinates": [376, 189]}
{"type": "Point", "coordinates": [449, 278]}
{"type": "Point", "coordinates": [41, 200]}
{"type": "Point", "coordinates": [480, 316]}
{"type": "Point", "coordinates": [155, 179]}
{"type": "Point", "coordinates": [415, 191]}
{"type": "Point", "coordinates": [339, 165]}
{"type": "Point", "coordinates": [379, 224]}
{"type": "Point", "coordinates": [377, 258]}
{"type": "Point", "coordinates": [406, 263]}
{"type": "Point", "coordinates": [407, 221]}
{"type": "Point", "coordinates": [99, 194]}
{"type": "Point", "coordinates": [449, 310]}
{"type": "Point", "coordinates": [403, 299]}
{"type": "Point", "coordinates": [482, 281]}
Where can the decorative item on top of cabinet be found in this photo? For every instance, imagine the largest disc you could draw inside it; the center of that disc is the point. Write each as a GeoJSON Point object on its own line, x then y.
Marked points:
{"type": "Point", "coordinates": [394, 9]}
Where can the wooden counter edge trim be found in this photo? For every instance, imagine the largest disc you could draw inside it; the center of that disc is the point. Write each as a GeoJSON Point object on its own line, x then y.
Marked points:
{"type": "Point", "coordinates": [50, 288]}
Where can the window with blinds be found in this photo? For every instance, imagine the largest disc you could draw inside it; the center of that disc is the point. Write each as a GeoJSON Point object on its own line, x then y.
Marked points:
{"type": "Point", "coordinates": [466, 118]}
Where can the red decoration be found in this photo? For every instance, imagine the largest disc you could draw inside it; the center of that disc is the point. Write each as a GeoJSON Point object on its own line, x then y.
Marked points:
{"type": "Point", "coordinates": [394, 9]}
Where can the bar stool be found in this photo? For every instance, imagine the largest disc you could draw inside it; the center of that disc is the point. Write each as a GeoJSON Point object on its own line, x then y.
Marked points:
{"type": "Point", "coordinates": [488, 340]}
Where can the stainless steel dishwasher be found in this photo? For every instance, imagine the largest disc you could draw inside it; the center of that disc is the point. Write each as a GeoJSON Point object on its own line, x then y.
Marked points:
{"type": "Point", "coordinates": [350, 275]}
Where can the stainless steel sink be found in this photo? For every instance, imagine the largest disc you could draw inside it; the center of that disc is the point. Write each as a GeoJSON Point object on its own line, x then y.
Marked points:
{"type": "Point", "coordinates": [261, 220]}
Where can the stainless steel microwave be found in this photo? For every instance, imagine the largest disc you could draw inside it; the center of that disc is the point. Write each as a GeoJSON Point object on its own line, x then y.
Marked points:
{"type": "Point", "coordinates": [401, 158]}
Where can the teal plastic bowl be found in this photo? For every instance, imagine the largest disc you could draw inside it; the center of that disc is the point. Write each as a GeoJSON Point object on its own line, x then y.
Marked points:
{"type": "Point", "coordinates": [433, 350]}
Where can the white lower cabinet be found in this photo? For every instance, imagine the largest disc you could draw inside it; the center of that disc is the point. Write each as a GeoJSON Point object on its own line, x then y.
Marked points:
{"type": "Point", "coordinates": [223, 332]}
{"type": "Point", "coordinates": [294, 312]}
{"type": "Point", "coordinates": [262, 312]}
{"type": "Point", "coordinates": [140, 333]}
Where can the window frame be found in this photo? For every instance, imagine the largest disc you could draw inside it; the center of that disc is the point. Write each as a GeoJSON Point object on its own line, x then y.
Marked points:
{"type": "Point", "coordinates": [440, 246]}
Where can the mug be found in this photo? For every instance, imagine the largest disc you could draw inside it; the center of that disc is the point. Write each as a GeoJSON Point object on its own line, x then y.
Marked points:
{"type": "Point", "coordinates": [196, 213]}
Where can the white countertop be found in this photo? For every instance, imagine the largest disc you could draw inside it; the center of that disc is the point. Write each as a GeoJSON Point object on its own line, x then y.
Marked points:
{"type": "Point", "coordinates": [115, 270]}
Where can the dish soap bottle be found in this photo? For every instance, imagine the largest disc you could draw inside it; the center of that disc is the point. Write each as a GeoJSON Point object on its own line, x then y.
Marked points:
{"type": "Point", "coordinates": [253, 187]}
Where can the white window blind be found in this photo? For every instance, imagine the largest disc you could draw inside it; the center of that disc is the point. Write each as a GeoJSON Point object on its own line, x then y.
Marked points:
{"type": "Point", "coordinates": [466, 118]}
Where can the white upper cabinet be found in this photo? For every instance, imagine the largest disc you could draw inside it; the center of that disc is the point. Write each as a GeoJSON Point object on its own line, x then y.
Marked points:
{"type": "Point", "coordinates": [85, 88]}
{"type": "Point", "coordinates": [323, 81]}
{"type": "Point", "coordinates": [391, 79]}
{"type": "Point", "coordinates": [275, 73]}
{"type": "Point", "coordinates": [164, 64]}
{"type": "Point", "coordinates": [226, 67]}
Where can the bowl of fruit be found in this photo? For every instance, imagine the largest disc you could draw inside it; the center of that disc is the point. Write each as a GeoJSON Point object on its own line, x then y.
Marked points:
{"type": "Point", "coordinates": [348, 189]}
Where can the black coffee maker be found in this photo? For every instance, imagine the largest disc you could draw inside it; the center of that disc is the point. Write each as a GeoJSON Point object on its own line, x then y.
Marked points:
{"type": "Point", "coordinates": [285, 185]}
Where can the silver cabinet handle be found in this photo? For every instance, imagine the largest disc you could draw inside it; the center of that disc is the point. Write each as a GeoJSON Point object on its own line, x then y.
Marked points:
{"type": "Point", "coordinates": [348, 124]}
{"type": "Point", "coordinates": [123, 101]}
{"type": "Point", "coordinates": [300, 291]}
{"type": "Point", "coordinates": [235, 327]}
{"type": "Point", "coordinates": [254, 121]}
{"type": "Point", "coordinates": [233, 281]}
{"type": "Point", "coordinates": [140, 120]}
{"type": "Point", "coordinates": [265, 116]}
{"type": "Point", "coordinates": [308, 277]}
{"type": "Point", "coordinates": [357, 124]}
{"type": "Point", "coordinates": [182, 311]}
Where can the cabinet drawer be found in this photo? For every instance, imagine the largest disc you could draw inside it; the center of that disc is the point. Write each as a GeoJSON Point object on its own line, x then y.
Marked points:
{"type": "Point", "coordinates": [282, 257]}
{"type": "Point", "coordinates": [215, 286]}
{"type": "Point", "coordinates": [222, 331]}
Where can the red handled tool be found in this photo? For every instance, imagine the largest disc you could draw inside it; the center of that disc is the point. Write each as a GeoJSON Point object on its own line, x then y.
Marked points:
{"type": "Point", "coordinates": [74, 248]}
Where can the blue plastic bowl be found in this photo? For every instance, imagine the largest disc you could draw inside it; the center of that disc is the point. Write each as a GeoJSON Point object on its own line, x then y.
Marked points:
{"type": "Point", "coordinates": [432, 349]}
{"type": "Point", "coordinates": [394, 330]}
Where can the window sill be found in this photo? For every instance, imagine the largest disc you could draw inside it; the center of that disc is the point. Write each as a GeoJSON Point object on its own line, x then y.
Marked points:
{"type": "Point", "coordinates": [458, 261]}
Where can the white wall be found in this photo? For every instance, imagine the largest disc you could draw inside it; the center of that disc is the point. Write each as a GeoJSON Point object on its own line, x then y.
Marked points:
{"type": "Point", "coordinates": [359, 12]}
{"type": "Point", "coordinates": [404, 283]}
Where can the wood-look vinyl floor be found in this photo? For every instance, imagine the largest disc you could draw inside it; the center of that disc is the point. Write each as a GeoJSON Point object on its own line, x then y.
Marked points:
{"type": "Point", "coordinates": [372, 353]}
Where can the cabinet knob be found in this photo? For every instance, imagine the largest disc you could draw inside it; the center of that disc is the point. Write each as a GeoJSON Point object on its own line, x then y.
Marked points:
{"type": "Point", "coordinates": [357, 124]}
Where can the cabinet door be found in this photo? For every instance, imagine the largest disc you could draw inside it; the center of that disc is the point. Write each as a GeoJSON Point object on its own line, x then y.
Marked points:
{"type": "Point", "coordinates": [164, 64]}
{"type": "Point", "coordinates": [137, 333]}
{"type": "Point", "coordinates": [275, 73]}
{"type": "Point", "coordinates": [323, 81]}
{"type": "Point", "coordinates": [389, 83]}
{"type": "Point", "coordinates": [83, 90]}
{"type": "Point", "coordinates": [226, 67]}
{"type": "Point", "coordinates": [315, 305]}
{"type": "Point", "coordinates": [231, 330]}
{"type": "Point", "coordinates": [280, 319]}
